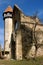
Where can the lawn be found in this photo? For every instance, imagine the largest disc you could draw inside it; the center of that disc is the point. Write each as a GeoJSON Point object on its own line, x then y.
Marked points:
{"type": "Point", "coordinates": [37, 61]}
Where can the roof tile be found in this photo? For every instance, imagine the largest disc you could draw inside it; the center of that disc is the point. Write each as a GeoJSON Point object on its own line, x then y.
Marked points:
{"type": "Point", "coordinates": [9, 9]}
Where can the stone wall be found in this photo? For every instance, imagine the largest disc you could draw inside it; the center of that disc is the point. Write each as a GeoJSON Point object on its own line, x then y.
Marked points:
{"type": "Point", "coordinates": [27, 47]}
{"type": "Point", "coordinates": [17, 32]}
{"type": "Point", "coordinates": [39, 37]}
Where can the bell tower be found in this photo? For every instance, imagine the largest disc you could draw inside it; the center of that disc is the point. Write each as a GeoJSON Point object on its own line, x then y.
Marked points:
{"type": "Point", "coordinates": [7, 16]}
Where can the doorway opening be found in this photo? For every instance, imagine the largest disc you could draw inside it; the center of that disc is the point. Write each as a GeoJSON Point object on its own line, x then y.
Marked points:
{"type": "Point", "coordinates": [13, 48]}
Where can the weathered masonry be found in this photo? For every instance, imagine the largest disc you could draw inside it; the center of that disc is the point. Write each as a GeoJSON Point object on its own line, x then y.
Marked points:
{"type": "Point", "coordinates": [23, 35]}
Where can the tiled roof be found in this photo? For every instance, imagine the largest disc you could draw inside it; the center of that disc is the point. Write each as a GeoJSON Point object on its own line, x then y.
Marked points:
{"type": "Point", "coordinates": [9, 9]}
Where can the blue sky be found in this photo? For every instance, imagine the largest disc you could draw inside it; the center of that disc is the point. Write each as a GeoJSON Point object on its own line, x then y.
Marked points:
{"type": "Point", "coordinates": [29, 7]}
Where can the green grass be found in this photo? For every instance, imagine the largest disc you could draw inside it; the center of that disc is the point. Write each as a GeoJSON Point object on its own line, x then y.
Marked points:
{"type": "Point", "coordinates": [37, 61]}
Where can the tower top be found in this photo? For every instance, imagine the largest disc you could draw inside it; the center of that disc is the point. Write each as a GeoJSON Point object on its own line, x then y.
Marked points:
{"type": "Point", "coordinates": [8, 9]}
{"type": "Point", "coordinates": [8, 12]}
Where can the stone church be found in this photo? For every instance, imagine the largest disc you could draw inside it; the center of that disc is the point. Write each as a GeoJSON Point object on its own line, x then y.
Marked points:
{"type": "Point", "coordinates": [23, 35]}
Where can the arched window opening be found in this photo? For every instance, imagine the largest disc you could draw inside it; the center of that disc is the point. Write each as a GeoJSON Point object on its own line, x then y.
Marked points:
{"type": "Point", "coordinates": [16, 25]}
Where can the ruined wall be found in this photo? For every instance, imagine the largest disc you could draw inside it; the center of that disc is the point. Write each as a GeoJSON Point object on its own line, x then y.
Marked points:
{"type": "Point", "coordinates": [28, 47]}
{"type": "Point", "coordinates": [26, 40]}
{"type": "Point", "coordinates": [17, 31]}
{"type": "Point", "coordinates": [39, 37]}
{"type": "Point", "coordinates": [25, 47]}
